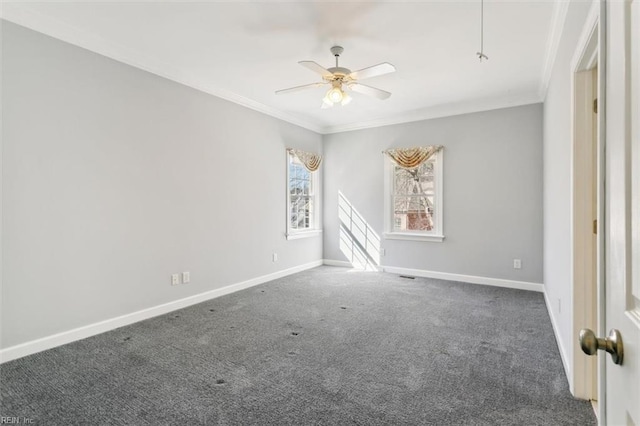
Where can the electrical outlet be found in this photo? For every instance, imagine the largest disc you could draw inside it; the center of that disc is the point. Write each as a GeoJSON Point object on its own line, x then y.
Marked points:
{"type": "Point", "coordinates": [186, 277]}
{"type": "Point", "coordinates": [517, 264]}
{"type": "Point", "coordinates": [383, 252]}
{"type": "Point", "coordinates": [175, 279]}
{"type": "Point", "coordinates": [274, 257]}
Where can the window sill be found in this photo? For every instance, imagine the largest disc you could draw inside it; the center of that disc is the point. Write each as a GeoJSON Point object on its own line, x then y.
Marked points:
{"type": "Point", "coordinates": [413, 237]}
{"type": "Point", "coordinates": [304, 234]}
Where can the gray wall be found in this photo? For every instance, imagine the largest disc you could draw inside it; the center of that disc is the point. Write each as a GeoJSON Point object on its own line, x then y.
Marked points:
{"type": "Point", "coordinates": [557, 182]}
{"type": "Point", "coordinates": [492, 191]}
{"type": "Point", "coordinates": [114, 178]}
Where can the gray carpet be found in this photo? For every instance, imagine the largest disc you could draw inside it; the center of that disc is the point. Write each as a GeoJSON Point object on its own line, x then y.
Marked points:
{"type": "Point", "coordinates": [328, 346]}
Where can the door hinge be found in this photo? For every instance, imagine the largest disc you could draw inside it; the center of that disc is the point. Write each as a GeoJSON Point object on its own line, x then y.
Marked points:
{"type": "Point", "coordinates": [595, 226]}
{"type": "Point", "coordinates": [595, 105]}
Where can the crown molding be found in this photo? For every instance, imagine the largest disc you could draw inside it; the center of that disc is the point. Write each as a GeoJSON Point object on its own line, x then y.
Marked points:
{"type": "Point", "coordinates": [553, 42]}
{"type": "Point", "coordinates": [439, 111]}
{"type": "Point", "coordinates": [55, 28]}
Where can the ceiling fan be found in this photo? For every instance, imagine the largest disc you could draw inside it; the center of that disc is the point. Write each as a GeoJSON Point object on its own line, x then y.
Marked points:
{"type": "Point", "coordinates": [342, 79]}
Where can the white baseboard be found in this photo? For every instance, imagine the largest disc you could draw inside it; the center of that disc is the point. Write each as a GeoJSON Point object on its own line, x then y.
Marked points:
{"type": "Point", "coordinates": [346, 264]}
{"type": "Point", "coordinates": [34, 346]}
{"type": "Point", "coordinates": [472, 279]}
{"type": "Point", "coordinates": [341, 263]}
{"type": "Point", "coordinates": [563, 352]}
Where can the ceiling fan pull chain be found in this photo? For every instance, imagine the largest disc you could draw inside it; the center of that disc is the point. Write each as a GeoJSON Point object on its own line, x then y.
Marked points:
{"type": "Point", "coordinates": [481, 54]}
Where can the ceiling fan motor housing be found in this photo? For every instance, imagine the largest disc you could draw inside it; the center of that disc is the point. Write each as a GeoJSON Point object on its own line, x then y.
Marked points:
{"type": "Point", "coordinates": [339, 71]}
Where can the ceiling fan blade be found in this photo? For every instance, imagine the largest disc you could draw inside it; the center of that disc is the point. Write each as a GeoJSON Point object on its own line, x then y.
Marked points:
{"type": "Point", "coordinates": [373, 71]}
{"type": "Point", "coordinates": [297, 88]}
{"type": "Point", "coordinates": [315, 67]}
{"type": "Point", "coordinates": [370, 91]}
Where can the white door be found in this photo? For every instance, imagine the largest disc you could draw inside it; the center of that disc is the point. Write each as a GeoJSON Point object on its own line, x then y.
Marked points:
{"type": "Point", "coordinates": [622, 211]}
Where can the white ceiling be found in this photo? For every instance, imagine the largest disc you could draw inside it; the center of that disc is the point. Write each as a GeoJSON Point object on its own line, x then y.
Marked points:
{"type": "Point", "coordinates": [245, 51]}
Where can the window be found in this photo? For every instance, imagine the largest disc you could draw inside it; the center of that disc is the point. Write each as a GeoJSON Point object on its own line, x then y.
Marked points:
{"type": "Point", "coordinates": [413, 200]}
{"type": "Point", "coordinates": [302, 197]}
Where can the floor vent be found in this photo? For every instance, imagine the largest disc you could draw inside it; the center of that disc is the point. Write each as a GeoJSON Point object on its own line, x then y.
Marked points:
{"type": "Point", "coordinates": [407, 277]}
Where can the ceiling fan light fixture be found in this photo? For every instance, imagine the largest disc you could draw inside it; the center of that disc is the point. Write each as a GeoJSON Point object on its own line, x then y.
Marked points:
{"type": "Point", "coordinates": [326, 103]}
{"type": "Point", "coordinates": [346, 99]}
{"type": "Point", "coordinates": [335, 94]}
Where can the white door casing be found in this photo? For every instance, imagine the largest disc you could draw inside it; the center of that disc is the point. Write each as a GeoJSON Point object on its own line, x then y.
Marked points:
{"type": "Point", "coordinates": [583, 377]}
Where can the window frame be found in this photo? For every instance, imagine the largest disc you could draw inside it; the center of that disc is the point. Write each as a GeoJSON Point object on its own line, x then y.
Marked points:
{"type": "Point", "coordinates": [314, 221]}
{"type": "Point", "coordinates": [437, 233]}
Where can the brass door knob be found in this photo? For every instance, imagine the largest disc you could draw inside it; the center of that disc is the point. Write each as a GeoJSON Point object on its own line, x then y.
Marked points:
{"type": "Point", "coordinates": [590, 344]}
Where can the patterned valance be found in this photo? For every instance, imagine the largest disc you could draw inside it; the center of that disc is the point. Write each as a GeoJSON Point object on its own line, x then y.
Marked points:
{"type": "Point", "coordinates": [310, 160]}
{"type": "Point", "coordinates": [410, 158]}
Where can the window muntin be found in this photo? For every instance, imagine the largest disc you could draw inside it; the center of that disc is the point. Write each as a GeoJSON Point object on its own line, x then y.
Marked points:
{"type": "Point", "coordinates": [414, 198]}
{"type": "Point", "coordinates": [413, 201]}
{"type": "Point", "coordinates": [302, 200]}
{"type": "Point", "coordinates": [300, 195]}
